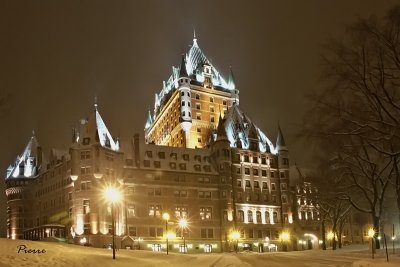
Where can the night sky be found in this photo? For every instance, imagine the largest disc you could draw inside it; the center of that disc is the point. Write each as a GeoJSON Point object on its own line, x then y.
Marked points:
{"type": "Point", "coordinates": [56, 56]}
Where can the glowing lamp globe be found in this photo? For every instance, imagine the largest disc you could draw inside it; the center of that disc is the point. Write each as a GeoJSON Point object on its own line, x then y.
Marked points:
{"type": "Point", "coordinates": [112, 194]}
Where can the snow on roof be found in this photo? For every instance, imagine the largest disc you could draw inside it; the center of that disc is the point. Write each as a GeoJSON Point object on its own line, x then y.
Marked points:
{"type": "Point", "coordinates": [194, 60]}
{"type": "Point", "coordinates": [106, 140]}
{"type": "Point", "coordinates": [239, 128]}
{"type": "Point", "coordinates": [25, 164]}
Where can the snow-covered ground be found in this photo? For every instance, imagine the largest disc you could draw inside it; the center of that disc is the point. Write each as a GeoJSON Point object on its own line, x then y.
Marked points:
{"type": "Point", "coordinates": [58, 254]}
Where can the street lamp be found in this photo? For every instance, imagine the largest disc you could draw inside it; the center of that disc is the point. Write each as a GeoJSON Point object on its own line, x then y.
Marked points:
{"type": "Point", "coordinates": [284, 237]}
{"type": "Point", "coordinates": [183, 224]}
{"type": "Point", "coordinates": [330, 237]}
{"type": "Point", "coordinates": [371, 234]}
{"type": "Point", "coordinates": [235, 235]}
{"type": "Point", "coordinates": [112, 195]}
{"type": "Point", "coordinates": [165, 217]}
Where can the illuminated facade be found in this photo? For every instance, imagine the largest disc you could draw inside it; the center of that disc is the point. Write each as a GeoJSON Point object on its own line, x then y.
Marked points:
{"type": "Point", "coordinates": [201, 159]}
{"type": "Point", "coordinates": [187, 109]}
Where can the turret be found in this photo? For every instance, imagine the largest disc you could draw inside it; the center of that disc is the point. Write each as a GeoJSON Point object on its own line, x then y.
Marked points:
{"type": "Point", "coordinates": [19, 176]}
{"type": "Point", "coordinates": [185, 103]}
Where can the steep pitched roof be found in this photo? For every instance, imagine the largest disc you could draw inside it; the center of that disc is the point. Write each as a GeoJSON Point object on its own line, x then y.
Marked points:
{"type": "Point", "coordinates": [149, 120]}
{"type": "Point", "coordinates": [280, 141]}
{"type": "Point", "coordinates": [95, 129]}
{"type": "Point", "coordinates": [239, 129]}
{"type": "Point", "coordinates": [231, 80]}
{"type": "Point", "coordinates": [28, 163]}
{"type": "Point", "coordinates": [193, 61]}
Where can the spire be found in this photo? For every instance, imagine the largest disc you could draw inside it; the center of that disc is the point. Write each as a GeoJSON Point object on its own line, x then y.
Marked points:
{"type": "Point", "coordinates": [95, 102]}
{"type": "Point", "coordinates": [231, 80]}
{"type": "Point", "coordinates": [194, 37]}
{"type": "Point", "coordinates": [280, 142]}
{"type": "Point", "coordinates": [182, 70]}
{"type": "Point", "coordinates": [149, 121]}
{"type": "Point", "coordinates": [301, 176]}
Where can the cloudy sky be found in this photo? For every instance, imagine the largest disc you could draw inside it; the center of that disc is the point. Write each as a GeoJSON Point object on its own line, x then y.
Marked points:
{"type": "Point", "coordinates": [56, 56]}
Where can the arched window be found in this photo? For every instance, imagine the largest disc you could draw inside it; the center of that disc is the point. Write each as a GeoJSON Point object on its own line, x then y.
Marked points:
{"type": "Point", "coordinates": [240, 215]}
{"type": "Point", "coordinates": [275, 217]}
{"type": "Point", "coordinates": [249, 216]}
{"type": "Point", "coordinates": [267, 220]}
{"type": "Point", "coordinates": [258, 216]}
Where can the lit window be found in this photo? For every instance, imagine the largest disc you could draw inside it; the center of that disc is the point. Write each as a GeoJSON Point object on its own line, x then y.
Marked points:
{"type": "Point", "coordinates": [205, 213]}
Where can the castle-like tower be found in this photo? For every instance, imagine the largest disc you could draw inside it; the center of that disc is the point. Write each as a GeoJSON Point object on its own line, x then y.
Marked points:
{"type": "Point", "coordinates": [20, 178]}
{"type": "Point", "coordinates": [202, 159]}
{"type": "Point", "coordinates": [187, 109]}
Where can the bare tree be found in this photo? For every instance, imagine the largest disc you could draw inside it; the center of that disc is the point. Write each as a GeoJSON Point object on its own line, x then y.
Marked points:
{"type": "Point", "coordinates": [332, 207]}
{"type": "Point", "coordinates": [358, 113]}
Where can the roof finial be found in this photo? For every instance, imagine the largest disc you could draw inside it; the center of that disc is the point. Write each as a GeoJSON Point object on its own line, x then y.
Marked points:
{"type": "Point", "coordinates": [95, 102]}
{"type": "Point", "coordinates": [194, 36]}
{"type": "Point", "coordinates": [33, 133]}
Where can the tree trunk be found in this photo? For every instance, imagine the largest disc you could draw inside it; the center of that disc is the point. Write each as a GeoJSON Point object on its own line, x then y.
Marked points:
{"type": "Point", "coordinates": [362, 235]}
{"type": "Point", "coordinates": [376, 224]}
{"type": "Point", "coordinates": [340, 238]}
{"type": "Point", "coordinates": [323, 236]}
{"type": "Point", "coordinates": [334, 240]}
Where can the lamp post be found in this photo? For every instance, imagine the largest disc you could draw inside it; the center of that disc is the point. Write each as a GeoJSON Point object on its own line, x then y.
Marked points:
{"type": "Point", "coordinates": [235, 235]}
{"type": "Point", "coordinates": [393, 238]}
{"type": "Point", "coordinates": [166, 218]}
{"type": "Point", "coordinates": [112, 195]}
{"type": "Point", "coordinates": [183, 224]}
{"type": "Point", "coordinates": [284, 237]}
{"type": "Point", "coordinates": [371, 234]}
{"type": "Point", "coordinates": [330, 237]}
